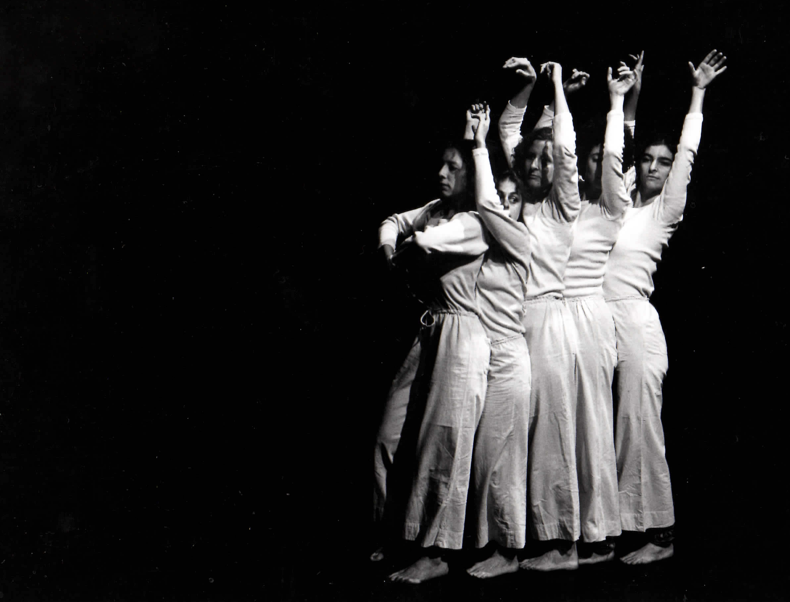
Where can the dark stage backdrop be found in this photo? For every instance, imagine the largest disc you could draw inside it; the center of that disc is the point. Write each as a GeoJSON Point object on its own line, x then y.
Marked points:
{"type": "Point", "coordinates": [197, 333]}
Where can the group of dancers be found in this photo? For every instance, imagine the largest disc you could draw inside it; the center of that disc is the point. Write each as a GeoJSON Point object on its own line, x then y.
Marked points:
{"type": "Point", "coordinates": [530, 401]}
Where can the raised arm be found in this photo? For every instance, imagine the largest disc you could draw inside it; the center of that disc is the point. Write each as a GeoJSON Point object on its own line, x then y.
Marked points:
{"type": "Point", "coordinates": [614, 196]}
{"type": "Point", "coordinates": [513, 115]}
{"type": "Point", "coordinates": [672, 201]}
{"type": "Point", "coordinates": [632, 96]}
{"type": "Point", "coordinates": [575, 82]}
{"type": "Point", "coordinates": [511, 235]}
{"type": "Point", "coordinates": [564, 195]}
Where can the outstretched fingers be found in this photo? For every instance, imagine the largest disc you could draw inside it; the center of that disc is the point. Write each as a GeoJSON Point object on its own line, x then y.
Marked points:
{"type": "Point", "coordinates": [718, 61]}
{"type": "Point", "coordinates": [709, 56]}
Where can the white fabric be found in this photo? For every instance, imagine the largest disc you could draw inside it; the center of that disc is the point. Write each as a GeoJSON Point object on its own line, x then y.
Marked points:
{"type": "Point", "coordinates": [502, 282]}
{"type": "Point", "coordinates": [450, 389]}
{"type": "Point", "coordinates": [649, 225]}
{"type": "Point", "coordinates": [387, 480]}
{"type": "Point", "coordinates": [499, 491]}
{"type": "Point", "coordinates": [643, 472]}
{"type": "Point", "coordinates": [553, 487]}
{"type": "Point", "coordinates": [595, 452]}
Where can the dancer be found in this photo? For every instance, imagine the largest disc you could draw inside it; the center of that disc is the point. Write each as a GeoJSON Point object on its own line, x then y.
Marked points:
{"type": "Point", "coordinates": [546, 162]}
{"type": "Point", "coordinates": [388, 480]}
{"type": "Point", "coordinates": [644, 485]}
{"type": "Point", "coordinates": [499, 488]}
{"type": "Point", "coordinates": [594, 234]}
{"type": "Point", "coordinates": [447, 395]}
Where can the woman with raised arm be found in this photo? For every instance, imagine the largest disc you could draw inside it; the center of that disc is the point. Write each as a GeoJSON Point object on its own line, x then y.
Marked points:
{"type": "Point", "coordinates": [546, 163]}
{"type": "Point", "coordinates": [446, 400]}
{"type": "Point", "coordinates": [594, 234]}
{"type": "Point", "coordinates": [662, 178]}
{"type": "Point", "coordinates": [513, 115]}
{"type": "Point", "coordinates": [498, 501]}
{"type": "Point", "coordinates": [590, 137]}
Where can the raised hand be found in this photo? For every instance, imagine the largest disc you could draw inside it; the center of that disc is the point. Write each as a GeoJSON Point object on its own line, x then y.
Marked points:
{"type": "Point", "coordinates": [622, 83]}
{"type": "Point", "coordinates": [637, 70]}
{"type": "Point", "coordinates": [482, 125]}
{"type": "Point", "coordinates": [576, 81]}
{"type": "Point", "coordinates": [710, 67]}
{"type": "Point", "coordinates": [473, 119]}
{"type": "Point", "coordinates": [522, 67]}
{"type": "Point", "coordinates": [553, 71]}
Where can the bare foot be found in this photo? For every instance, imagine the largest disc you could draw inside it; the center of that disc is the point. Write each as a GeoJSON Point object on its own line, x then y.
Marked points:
{"type": "Point", "coordinates": [553, 560]}
{"type": "Point", "coordinates": [493, 566]}
{"type": "Point", "coordinates": [648, 553]}
{"type": "Point", "coordinates": [378, 555]}
{"type": "Point", "coordinates": [596, 558]}
{"type": "Point", "coordinates": [422, 570]}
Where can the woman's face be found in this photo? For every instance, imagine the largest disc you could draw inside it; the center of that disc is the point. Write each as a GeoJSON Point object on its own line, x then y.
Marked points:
{"type": "Point", "coordinates": [452, 175]}
{"type": "Point", "coordinates": [510, 198]}
{"type": "Point", "coordinates": [592, 167]}
{"type": "Point", "coordinates": [539, 166]}
{"type": "Point", "coordinates": [653, 169]}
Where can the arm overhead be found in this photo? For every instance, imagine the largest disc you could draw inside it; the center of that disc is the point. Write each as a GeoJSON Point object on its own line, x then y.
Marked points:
{"type": "Point", "coordinates": [511, 235]}
{"type": "Point", "coordinates": [513, 115]}
{"type": "Point", "coordinates": [564, 194]}
{"type": "Point", "coordinates": [614, 197]}
{"type": "Point", "coordinates": [673, 196]}
{"type": "Point", "coordinates": [575, 82]}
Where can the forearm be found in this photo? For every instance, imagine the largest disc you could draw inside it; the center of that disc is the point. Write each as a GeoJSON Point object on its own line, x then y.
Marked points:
{"type": "Point", "coordinates": [697, 96]}
{"type": "Point", "coordinates": [509, 127]}
{"type": "Point", "coordinates": [521, 98]}
{"type": "Point", "coordinates": [673, 198]}
{"type": "Point", "coordinates": [560, 102]}
{"type": "Point", "coordinates": [565, 188]}
{"type": "Point", "coordinates": [462, 235]}
{"type": "Point", "coordinates": [629, 110]}
{"type": "Point", "coordinates": [614, 197]}
{"type": "Point", "coordinates": [511, 235]}
{"type": "Point", "coordinates": [401, 225]}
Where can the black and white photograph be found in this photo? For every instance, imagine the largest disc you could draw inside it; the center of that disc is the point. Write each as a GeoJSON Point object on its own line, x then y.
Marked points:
{"type": "Point", "coordinates": [381, 302]}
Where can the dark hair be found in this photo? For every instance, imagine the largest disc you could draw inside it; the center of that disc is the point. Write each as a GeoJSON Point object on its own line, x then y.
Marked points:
{"type": "Point", "coordinates": [511, 175]}
{"type": "Point", "coordinates": [628, 149]}
{"type": "Point", "coordinates": [657, 139]}
{"type": "Point", "coordinates": [521, 150]}
{"type": "Point", "coordinates": [589, 135]}
{"type": "Point", "coordinates": [654, 139]}
{"type": "Point", "coordinates": [465, 148]}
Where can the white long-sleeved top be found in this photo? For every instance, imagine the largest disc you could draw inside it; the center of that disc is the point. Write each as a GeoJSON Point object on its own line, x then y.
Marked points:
{"type": "Point", "coordinates": [502, 283]}
{"type": "Point", "coordinates": [648, 228]}
{"type": "Point", "coordinates": [510, 133]}
{"type": "Point", "coordinates": [595, 231]}
{"type": "Point", "coordinates": [455, 247]}
{"type": "Point", "coordinates": [510, 127]}
{"type": "Point", "coordinates": [550, 221]}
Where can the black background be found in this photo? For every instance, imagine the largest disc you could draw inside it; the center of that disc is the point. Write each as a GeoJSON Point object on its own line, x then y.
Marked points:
{"type": "Point", "coordinates": [197, 334]}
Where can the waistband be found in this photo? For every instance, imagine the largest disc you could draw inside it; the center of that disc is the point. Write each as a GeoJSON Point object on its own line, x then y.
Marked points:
{"type": "Point", "coordinates": [583, 299]}
{"type": "Point", "coordinates": [629, 298]}
{"type": "Point", "coordinates": [543, 299]}
{"type": "Point", "coordinates": [430, 314]}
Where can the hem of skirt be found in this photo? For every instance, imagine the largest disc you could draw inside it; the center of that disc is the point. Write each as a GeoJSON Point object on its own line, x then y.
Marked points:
{"type": "Point", "coordinates": [448, 540]}
{"type": "Point", "coordinates": [608, 529]}
{"type": "Point", "coordinates": [514, 540]}
{"type": "Point", "coordinates": [642, 522]}
{"type": "Point", "coordinates": [547, 532]}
